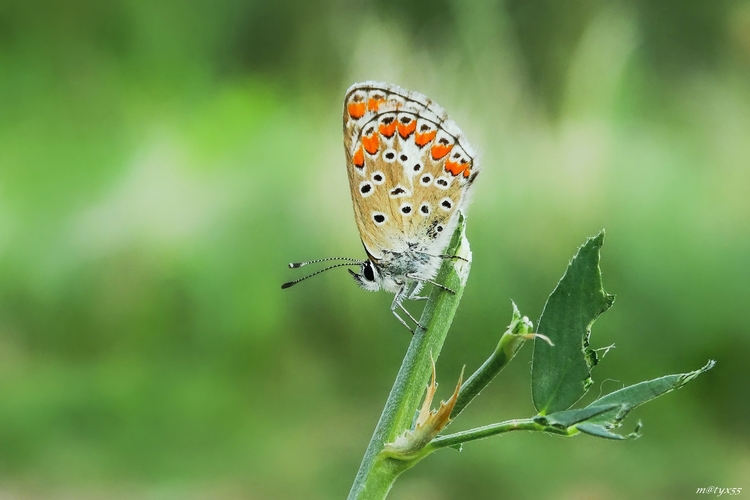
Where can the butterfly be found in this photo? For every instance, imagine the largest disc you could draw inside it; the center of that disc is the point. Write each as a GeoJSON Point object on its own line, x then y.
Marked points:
{"type": "Point", "coordinates": [410, 172]}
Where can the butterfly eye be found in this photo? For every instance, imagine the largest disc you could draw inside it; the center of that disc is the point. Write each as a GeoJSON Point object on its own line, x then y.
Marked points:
{"type": "Point", "coordinates": [368, 272]}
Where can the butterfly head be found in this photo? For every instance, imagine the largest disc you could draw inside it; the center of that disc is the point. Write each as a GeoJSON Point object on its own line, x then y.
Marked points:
{"type": "Point", "coordinates": [368, 277]}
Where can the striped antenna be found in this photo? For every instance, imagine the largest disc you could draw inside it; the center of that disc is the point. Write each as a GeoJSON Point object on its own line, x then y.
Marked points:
{"type": "Point", "coordinates": [290, 283]}
{"type": "Point", "coordinates": [296, 265]}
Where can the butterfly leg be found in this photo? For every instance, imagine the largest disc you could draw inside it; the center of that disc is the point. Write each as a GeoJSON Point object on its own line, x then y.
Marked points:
{"type": "Point", "coordinates": [410, 317]}
{"type": "Point", "coordinates": [434, 283]}
{"type": "Point", "coordinates": [393, 310]}
{"type": "Point", "coordinates": [444, 256]}
{"type": "Point", "coordinates": [397, 304]}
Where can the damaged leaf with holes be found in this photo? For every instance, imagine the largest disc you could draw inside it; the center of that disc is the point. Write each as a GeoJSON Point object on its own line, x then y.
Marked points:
{"type": "Point", "coordinates": [561, 374]}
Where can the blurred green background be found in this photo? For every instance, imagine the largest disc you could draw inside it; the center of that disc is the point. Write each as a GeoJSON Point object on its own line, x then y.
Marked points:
{"type": "Point", "coordinates": [160, 163]}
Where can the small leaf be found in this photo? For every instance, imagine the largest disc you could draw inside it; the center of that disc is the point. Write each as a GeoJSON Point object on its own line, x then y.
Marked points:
{"type": "Point", "coordinates": [603, 432]}
{"type": "Point", "coordinates": [567, 418]}
{"type": "Point", "coordinates": [428, 423]}
{"type": "Point", "coordinates": [635, 395]}
{"type": "Point", "coordinates": [561, 375]}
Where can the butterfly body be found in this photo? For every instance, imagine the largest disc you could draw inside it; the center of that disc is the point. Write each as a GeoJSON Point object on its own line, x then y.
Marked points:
{"type": "Point", "coordinates": [410, 173]}
{"type": "Point", "coordinates": [397, 269]}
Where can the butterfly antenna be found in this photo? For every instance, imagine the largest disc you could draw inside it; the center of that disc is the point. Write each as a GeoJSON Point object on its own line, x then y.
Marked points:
{"type": "Point", "coordinates": [295, 265]}
{"type": "Point", "coordinates": [290, 283]}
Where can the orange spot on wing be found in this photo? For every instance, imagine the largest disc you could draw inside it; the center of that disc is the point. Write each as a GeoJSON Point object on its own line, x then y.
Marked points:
{"type": "Point", "coordinates": [423, 139]}
{"type": "Point", "coordinates": [440, 150]}
{"type": "Point", "coordinates": [467, 172]}
{"type": "Point", "coordinates": [356, 109]}
{"type": "Point", "coordinates": [456, 168]}
{"type": "Point", "coordinates": [406, 130]}
{"type": "Point", "coordinates": [359, 158]}
{"type": "Point", "coordinates": [374, 104]}
{"type": "Point", "coordinates": [371, 143]}
{"type": "Point", "coordinates": [388, 130]}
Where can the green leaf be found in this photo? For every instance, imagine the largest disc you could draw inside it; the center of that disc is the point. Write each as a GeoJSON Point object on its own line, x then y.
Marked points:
{"type": "Point", "coordinates": [567, 418]}
{"type": "Point", "coordinates": [602, 431]}
{"type": "Point", "coordinates": [630, 397]}
{"type": "Point", "coordinates": [561, 375]}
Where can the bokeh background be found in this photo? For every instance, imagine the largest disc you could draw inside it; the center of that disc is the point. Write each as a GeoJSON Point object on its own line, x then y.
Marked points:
{"type": "Point", "coordinates": [161, 162]}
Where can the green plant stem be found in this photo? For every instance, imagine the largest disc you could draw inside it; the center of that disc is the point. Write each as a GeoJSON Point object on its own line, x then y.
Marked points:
{"type": "Point", "coordinates": [506, 349]}
{"type": "Point", "coordinates": [378, 472]}
{"type": "Point", "coordinates": [524, 424]}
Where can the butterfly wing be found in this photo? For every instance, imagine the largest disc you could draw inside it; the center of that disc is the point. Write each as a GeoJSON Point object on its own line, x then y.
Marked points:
{"type": "Point", "coordinates": [410, 169]}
